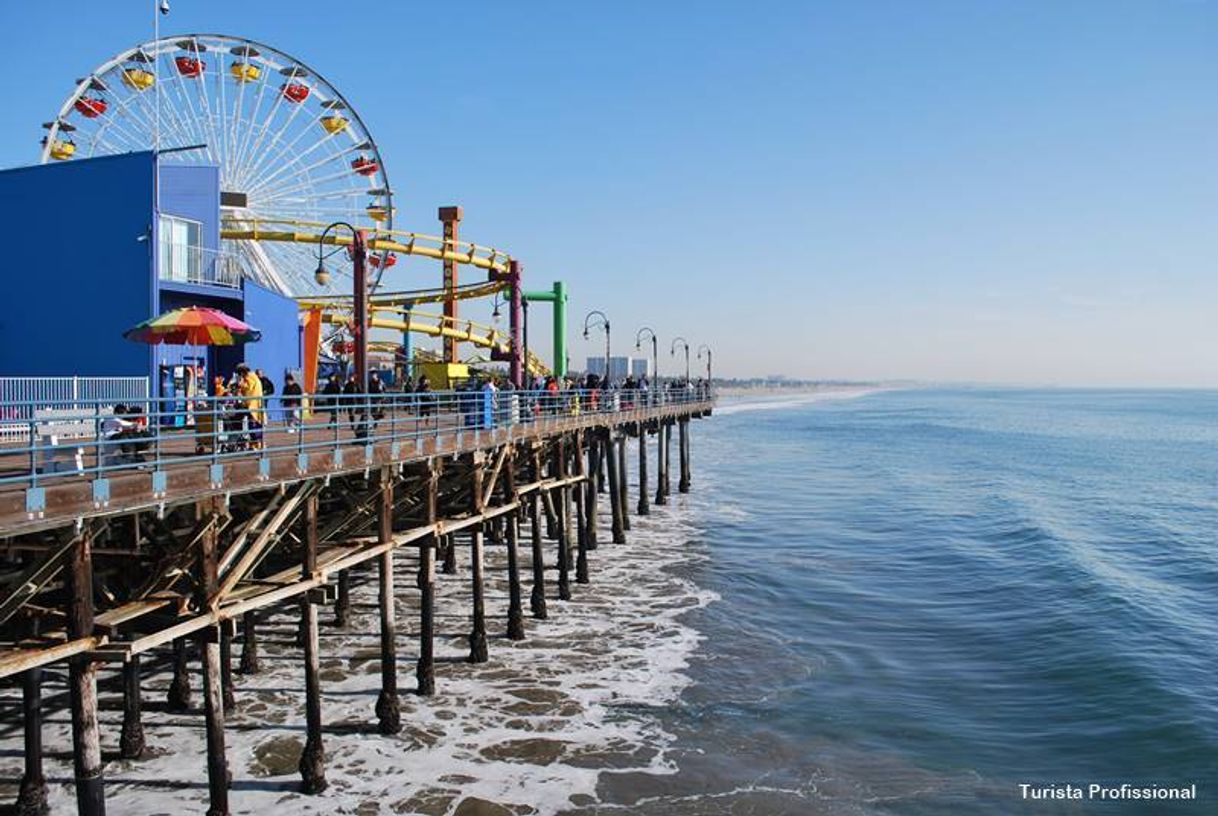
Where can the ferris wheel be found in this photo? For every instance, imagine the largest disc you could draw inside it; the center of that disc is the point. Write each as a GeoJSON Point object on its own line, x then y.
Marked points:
{"type": "Point", "coordinates": [291, 152]}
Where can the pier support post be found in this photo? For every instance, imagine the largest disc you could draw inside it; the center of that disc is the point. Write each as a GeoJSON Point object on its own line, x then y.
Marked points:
{"type": "Point", "coordinates": [515, 627]}
{"type": "Point", "coordinates": [683, 452]}
{"type": "Point", "coordinates": [213, 694]}
{"type": "Point", "coordinates": [589, 488]}
{"type": "Point", "coordinates": [131, 737]}
{"type": "Point", "coordinates": [581, 494]}
{"type": "Point", "coordinates": [450, 554]}
{"type": "Point", "coordinates": [644, 506]}
{"type": "Point", "coordinates": [425, 669]}
{"type": "Point", "coordinates": [226, 666]}
{"type": "Point", "coordinates": [178, 696]}
{"type": "Point", "coordinates": [342, 604]}
{"type": "Point", "coordinates": [563, 512]}
{"type": "Point", "coordinates": [82, 683]}
{"type": "Point", "coordinates": [615, 492]}
{"type": "Point", "coordinates": [313, 758]}
{"type": "Point", "coordinates": [389, 717]}
{"type": "Point", "coordinates": [667, 458]}
{"type": "Point", "coordinates": [32, 797]}
{"type": "Point", "coordinates": [537, 600]}
{"type": "Point", "coordinates": [661, 465]}
{"type": "Point", "coordinates": [249, 647]}
{"type": "Point", "coordinates": [477, 635]}
{"type": "Point", "coordinates": [623, 481]}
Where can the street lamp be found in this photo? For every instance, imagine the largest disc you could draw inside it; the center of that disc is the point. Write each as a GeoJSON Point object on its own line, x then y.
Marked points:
{"type": "Point", "coordinates": [603, 322]}
{"type": "Point", "coordinates": [359, 331]}
{"type": "Point", "coordinates": [655, 352]}
{"type": "Point", "coordinates": [708, 362]}
{"type": "Point", "coordinates": [673, 352]}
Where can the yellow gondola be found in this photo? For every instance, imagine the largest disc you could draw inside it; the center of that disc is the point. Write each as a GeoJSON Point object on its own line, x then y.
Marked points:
{"type": "Point", "coordinates": [62, 149]}
{"type": "Point", "coordinates": [334, 123]}
{"type": "Point", "coordinates": [245, 71]}
{"type": "Point", "coordinates": [377, 212]}
{"type": "Point", "coordinates": [137, 79]}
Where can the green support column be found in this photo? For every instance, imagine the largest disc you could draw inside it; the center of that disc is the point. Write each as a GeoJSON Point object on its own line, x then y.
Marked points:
{"type": "Point", "coordinates": [558, 297]}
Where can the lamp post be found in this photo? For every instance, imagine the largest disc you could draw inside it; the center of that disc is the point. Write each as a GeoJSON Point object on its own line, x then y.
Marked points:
{"type": "Point", "coordinates": [359, 331]}
{"type": "Point", "coordinates": [603, 322]}
{"type": "Point", "coordinates": [707, 348]}
{"type": "Point", "coordinates": [655, 353]}
{"type": "Point", "coordinates": [673, 352]}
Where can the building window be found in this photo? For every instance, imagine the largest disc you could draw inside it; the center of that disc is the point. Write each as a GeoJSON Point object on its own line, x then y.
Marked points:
{"type": "Point", "coordinates": [181, 249]}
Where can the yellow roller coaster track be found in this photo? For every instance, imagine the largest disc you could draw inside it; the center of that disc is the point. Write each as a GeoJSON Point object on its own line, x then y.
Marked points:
{"type": "Point", "coordinates": [436, 325]}
{"type": "Point", "coordinates": [400, 241]}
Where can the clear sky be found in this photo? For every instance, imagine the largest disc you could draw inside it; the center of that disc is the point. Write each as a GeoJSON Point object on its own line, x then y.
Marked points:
{"type": "Point", "coordinates": [983, 191]}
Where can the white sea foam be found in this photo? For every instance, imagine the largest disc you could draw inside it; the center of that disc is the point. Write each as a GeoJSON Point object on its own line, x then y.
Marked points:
{"type": "Point", "coordinates": [745, 404]}
{"type": "Point", "coordinates": [532, 729]}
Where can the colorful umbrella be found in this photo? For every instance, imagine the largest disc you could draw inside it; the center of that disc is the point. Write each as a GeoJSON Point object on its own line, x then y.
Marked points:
{"type": "Point", "coordinates": [193, 326]}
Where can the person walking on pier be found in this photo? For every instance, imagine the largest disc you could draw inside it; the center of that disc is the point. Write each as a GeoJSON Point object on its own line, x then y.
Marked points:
{"type": "Point", "coordinates": [249, 388]}
{"type": "Point", "coordinates": [331, 394]}
{"type": "Point", "coordinates": [291, 402]}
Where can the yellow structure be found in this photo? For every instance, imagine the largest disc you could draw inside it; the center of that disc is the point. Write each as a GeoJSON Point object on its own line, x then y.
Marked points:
{"type": "Point", "coordinates": [443, 376]}
{"type": "Point", "coordinates": [245, 71]}
{"type": "Point", "coordinates": [137, 79]}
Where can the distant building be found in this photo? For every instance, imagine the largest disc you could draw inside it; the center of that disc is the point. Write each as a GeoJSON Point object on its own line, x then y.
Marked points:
{"type": "Point", "coordinates": [619, 367]}
{"type": "Point", "coordinates": [641, 367]}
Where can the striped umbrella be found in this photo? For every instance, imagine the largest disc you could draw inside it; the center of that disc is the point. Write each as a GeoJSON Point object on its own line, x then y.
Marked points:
{"type": "Point", "coordinates": [193, 326]}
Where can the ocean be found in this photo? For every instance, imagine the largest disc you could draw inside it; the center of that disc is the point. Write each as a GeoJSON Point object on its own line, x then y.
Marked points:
{"type": "Point", "coordinates": [906, 603]}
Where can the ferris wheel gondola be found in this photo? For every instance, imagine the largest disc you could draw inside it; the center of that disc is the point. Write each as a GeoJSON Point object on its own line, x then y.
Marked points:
{"type": "Point", "coordinates": [288, 145]}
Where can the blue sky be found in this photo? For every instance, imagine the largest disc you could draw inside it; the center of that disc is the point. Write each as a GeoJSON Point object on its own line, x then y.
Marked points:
{"type": "Point", "coordinates": [976, 191]}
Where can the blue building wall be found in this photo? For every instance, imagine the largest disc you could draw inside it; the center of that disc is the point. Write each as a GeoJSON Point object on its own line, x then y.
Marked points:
{"type": "Point", "coordinates": [77, 272]}
{"type": "Point", "coordinates": [193, 192]}
{"type": "Point", "coordinates": [278, 318]}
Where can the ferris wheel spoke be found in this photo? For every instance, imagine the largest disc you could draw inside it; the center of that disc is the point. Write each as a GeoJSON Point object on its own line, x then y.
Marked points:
{"type": "Point", "coordinates": [286, 149]}
{"type": "Point", "coordinates": [247, 137]}
{"type": "Point", "coordinates": [183, 97]}
{"type": "Point", "coordinates": [263, 128]}
{"type": "Point", "coordinates": [286, 167]}
{"type": "Point", "coordinates": [309, 182]}
{"type": "Point", "coordinates": [297, 169]}
{"type": "Point", "coordinates": [261, 159]}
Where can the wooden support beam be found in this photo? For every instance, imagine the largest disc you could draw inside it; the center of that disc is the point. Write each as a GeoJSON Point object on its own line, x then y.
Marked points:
{"type": "Point", "coordinates": [581, 514]}
{"type": "Point", "coordinates": [388, 712]}
{"type": "Point", "coordinates": [226, 668]}
{"type": "Point", "coordinates": [661, 465]}
{"type": "Point", "coordinates": [563, 513]}
{"type": "Point", "coordinates": [342, 604]}
{"type": "Point", "coordinates": [477, 635]}
{"type": "Point", "coordinates": [178, 696]}
{"type": "Point", "coordinates": [592, 443]}
{"type": "Point", "coordinates": [515, 626]}
{"type": "Point", "coordinates": [249, 643]}
{"type": "Point", "coordinates": [537, 600]}
{"type": "Point", "coordinates": [82, 683]}
{"type": "Point", "coordinates": [488, 487]}
{"type": "Point", "coordinates": [313, 758]}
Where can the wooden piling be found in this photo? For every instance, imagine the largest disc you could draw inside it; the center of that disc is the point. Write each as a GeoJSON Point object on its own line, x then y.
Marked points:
{"type": "Point", "coordinates": [226, 667]}
{"type": "Point", "coordinates": [644, 506]}
{"type": "Point", "coordinates": [249, 644]}
{"type": "Point", "coordinates": [477, 635]}
{"type": "Point", "coordinates": [32, 797]}
{"type": "Point", "coordinates": [564, 517]}
{"type": "Point", "coordinates": [615, 492]}
{"type": "Point", "coordinates": [623, 481]}
{"type": "Point", "coordinates": [589, 488]}
{"type": "Point", "coordinates": [450, 554]}
{"type": "Point", "coordinates": [313, 758]}
{"type": "Point", "coordinates": [389, 717]}
{"type": "Point", "coordinates": [581, 514]}
{"type": "Point", "coordinates": [667, 458]}
{"type": "Point", "coordinates": [537, 600]}
{"type": "Point", "coordinates": [683, 452]}
{"type": "Point", "coordinates": [82, 683]}
{"type": "Point", "coordinates": [425, 669]}
{"type": "Point", "coordinates": [213, 695]}
{"type": "Point", "coordinates": [342, 604]}
{"type": "Point", "coordinates": [515, 626]}
{"type": "Point", "coordinates": [178, 696]}
{"type": "Point", "coordinates": [131, 738]}
{"type": "Point", "coordinates": [661, 465]}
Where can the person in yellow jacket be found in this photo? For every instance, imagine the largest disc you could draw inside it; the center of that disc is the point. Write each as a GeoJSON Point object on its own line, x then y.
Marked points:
{"type": "Point", "coordinates": [249, 388]}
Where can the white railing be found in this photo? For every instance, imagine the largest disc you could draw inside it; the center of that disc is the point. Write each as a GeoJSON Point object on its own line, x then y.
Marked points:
{"type": "Point", "coordinates": [194, 264]}
{"type": "Point", "coordinates": [21, 396]}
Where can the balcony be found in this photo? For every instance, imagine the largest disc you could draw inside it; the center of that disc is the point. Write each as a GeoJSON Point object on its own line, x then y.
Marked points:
{"type": "Point", "coordinates": [184, 263]}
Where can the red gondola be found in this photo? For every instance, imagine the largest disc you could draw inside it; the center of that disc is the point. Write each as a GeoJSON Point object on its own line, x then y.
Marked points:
{"type": "Point", "coordinates": [365, 166]}
{"type": "Point", "coordinates": [390, 260]}
{"type": "Point", "coordinates": [295, 92]}
{"type": "Point", "coordinates": [190, 67]}
{"type": "Point", "coordinates": [90, 107]}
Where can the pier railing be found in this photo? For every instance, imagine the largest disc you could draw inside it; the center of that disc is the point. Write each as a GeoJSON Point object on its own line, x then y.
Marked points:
{"type": "Point", "coordinates": [98, 439]}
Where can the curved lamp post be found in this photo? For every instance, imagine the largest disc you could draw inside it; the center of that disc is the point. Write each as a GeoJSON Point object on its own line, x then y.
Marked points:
{"type": "Point", "coordinates": [673, 351]}
{"type": "Point", "coordinates": [603, 322]}
{"type": "Point", "coordinates": [359, 254]}
{"type": "Point", "coordinates": [655, 353]}
{"type": "Point", "coordinates": [708, 361]}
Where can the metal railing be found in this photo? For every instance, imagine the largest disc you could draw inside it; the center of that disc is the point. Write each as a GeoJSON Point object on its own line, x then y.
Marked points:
{"type": "Point", "coordinates": [186, 263]}
{"type": "Point", "coordinates": [98, 439]}
{"type": "Point", "coordinates": [22, 397]}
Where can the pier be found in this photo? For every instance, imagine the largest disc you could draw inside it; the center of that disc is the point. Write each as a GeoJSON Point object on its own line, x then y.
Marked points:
{"type": "Point", "coordinates": [177, 553]}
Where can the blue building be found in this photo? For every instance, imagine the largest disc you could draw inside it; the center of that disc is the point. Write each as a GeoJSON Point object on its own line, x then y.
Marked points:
{"type": "Point", "coordinates": [97, 251]}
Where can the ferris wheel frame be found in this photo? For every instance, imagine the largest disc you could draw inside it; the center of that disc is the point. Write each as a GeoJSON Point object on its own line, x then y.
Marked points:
{"type": "Point", "coordinates": [323, 174]}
